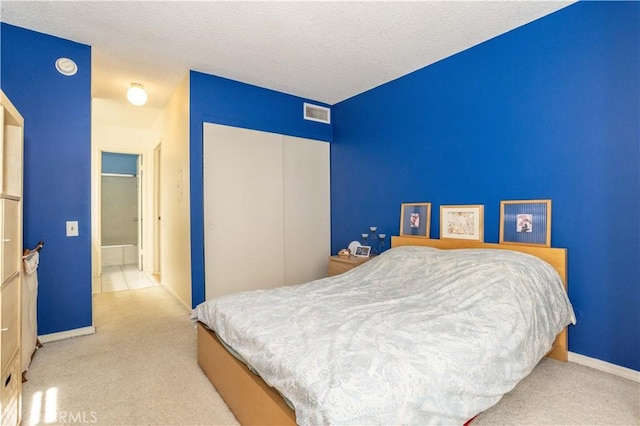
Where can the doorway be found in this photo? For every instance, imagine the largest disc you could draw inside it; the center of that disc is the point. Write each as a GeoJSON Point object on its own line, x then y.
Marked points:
{"type": "Point", "coordinates": [121, 227]}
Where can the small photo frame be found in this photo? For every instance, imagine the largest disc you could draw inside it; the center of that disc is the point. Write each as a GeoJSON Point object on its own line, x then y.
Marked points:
{"type": "Point", "coordinates": [464, 222]}
{"type": "Point", "coordinates": [362, 251]}
{"type": "Point", "coordinates": [415, 220]}
{"type": "Point", "coordinates": [525, 222]}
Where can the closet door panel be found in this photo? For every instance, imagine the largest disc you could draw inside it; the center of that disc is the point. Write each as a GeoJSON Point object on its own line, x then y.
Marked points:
{"type": "Point", "coordinates": [243, 210]}
{"type": "Point", "coordinates": [307, 223]}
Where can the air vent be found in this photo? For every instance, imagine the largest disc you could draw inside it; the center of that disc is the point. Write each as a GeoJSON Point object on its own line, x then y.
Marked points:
{"type": "Point", "coordinates": [317, 113]}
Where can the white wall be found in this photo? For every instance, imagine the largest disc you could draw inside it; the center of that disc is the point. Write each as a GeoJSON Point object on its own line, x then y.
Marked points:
{"type": "Point", "coordinates": [122, 127]}
{"type": "Point", "coordinates": [175, 209]}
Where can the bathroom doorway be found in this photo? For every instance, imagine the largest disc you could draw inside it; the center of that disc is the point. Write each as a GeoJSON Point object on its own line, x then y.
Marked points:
{"type": "Point", "coordinates": [121, 222]}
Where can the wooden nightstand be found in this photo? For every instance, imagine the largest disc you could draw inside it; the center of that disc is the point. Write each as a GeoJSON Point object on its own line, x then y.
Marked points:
{"type": "Point", "coordinates": [338, 265]}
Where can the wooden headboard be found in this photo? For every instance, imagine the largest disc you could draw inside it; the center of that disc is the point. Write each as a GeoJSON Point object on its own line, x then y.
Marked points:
{"type": "Point", "coordinates": [556, 257]}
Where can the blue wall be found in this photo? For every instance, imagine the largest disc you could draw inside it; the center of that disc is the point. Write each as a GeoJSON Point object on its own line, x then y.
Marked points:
{"type": "Point", "coordinates": [113, 162]}
{"type": "Point", "coordinates": [57, 163]}
{"type": "Point", "coordinates": [549, 110]}
{"type": "Point", "coordinates": [218, 100]}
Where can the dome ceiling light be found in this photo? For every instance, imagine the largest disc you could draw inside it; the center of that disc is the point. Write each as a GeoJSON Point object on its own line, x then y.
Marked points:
{"type": "Point", "coordinates": [136, 94]}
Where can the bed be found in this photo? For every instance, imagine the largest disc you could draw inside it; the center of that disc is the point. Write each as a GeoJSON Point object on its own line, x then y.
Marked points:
{"type": "Point", "coordinates": [372, 346]}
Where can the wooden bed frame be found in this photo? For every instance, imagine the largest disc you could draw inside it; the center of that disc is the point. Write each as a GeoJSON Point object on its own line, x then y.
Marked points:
{"type": "Point", "coordinates": [253, 402]}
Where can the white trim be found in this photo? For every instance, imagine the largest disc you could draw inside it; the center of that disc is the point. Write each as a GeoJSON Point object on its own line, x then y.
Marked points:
{"type": "Point", "coordinates": [157, 210]}
{"type": "Point", "coordinates": [607, 367]}
{"type": "Point", "coordinates": [76, 332]}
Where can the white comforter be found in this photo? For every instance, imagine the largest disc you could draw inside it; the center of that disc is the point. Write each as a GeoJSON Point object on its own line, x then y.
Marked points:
{"type": "Point", "coordinates": [414, 336]}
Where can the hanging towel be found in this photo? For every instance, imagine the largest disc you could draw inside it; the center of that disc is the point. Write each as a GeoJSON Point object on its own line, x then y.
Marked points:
{"type": "Point", "coordinates": [29, 298]}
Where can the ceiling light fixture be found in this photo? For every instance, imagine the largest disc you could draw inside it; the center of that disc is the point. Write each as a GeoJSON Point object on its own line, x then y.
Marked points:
{"type": "Point", "coordinates": [66, 66]}
{"type": "Point", "coordinates": [136, 94]}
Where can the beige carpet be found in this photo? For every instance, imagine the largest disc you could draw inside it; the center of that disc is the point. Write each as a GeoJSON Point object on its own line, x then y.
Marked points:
{"type": "Point", "coordinates": [140, 368]}
{"type": "Point", "coordinates": [558, 393]}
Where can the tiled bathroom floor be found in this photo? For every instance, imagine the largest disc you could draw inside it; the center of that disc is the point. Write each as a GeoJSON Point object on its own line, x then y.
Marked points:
{"type": "Point", "coordinates": [124, 277]}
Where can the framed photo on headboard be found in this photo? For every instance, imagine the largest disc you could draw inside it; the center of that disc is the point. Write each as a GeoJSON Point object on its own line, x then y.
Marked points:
{"type": "Point", "coordinates": [525, 222]}
{"type": "Point", "coordinates": [465, 222]}
{"type": "Point", "coordinates": [415, 220]}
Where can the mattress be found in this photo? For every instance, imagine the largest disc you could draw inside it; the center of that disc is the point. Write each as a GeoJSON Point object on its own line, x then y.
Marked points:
{"type": "Point", "coordinates": [416, 335]}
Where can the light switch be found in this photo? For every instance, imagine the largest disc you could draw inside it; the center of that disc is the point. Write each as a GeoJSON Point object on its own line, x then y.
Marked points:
{"type": "Point", "coordinates": [72, 228]}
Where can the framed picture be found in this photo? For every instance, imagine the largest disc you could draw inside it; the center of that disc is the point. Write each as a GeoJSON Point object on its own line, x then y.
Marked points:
{"type": "Point", "coordinates": [462, 222]}
{"type": "Point", "coordinates": [362, 251]}
{"type": "Point", "coordinates": [525, 222]}
{"type": "Point", "coordinates": [415, 220]}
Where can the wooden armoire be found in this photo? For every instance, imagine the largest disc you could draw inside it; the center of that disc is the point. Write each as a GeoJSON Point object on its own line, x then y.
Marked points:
{"type": "Point", "coordinates": [11, 160]}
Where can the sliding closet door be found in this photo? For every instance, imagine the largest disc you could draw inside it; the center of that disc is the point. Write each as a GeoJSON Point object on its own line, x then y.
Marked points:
{"type": "Point", "coordinates": [243, 210]}
{"type": "Point", "coordinates": [307, 226]}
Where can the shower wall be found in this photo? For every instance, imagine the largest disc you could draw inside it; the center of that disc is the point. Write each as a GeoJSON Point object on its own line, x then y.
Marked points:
{"type": "Point", "coordinates": [119, 220]}
{"type": "Point", "coordinates": [119, 209]}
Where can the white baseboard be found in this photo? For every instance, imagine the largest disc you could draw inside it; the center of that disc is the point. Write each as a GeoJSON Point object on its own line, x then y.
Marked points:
{"type": "Point", "coordinates": [607, 367]}
{"type": "Point", "coordinates": [45, 338]}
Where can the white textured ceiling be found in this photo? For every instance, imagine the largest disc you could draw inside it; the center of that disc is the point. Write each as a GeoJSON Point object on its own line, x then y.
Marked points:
{"type": "Point", "coordinates": [326, 51]}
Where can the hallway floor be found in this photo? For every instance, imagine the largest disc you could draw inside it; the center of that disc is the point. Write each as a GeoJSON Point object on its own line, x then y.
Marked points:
{"type": "Point", "coordinates": [124, 277]}
{"type": "Point", "coordinates": [139, 368]}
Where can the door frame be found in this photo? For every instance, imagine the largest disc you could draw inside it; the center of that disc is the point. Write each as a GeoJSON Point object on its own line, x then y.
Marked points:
{"type": "Point", "coordinates": [157, 210]}
{"type": "Point", "coordinates": [97, 232]}
{"type": "Point", "coordinates": [140, 210]}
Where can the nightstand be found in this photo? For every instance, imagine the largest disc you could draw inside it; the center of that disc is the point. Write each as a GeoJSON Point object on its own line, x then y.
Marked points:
{"type": "Point", "coordinates": [338, 265]}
